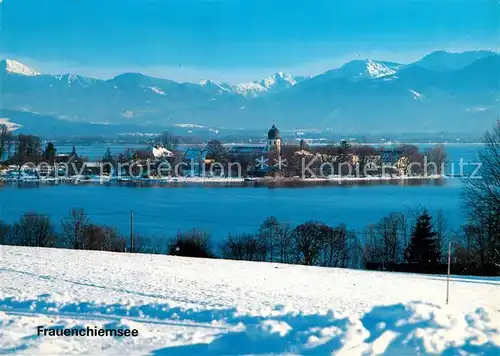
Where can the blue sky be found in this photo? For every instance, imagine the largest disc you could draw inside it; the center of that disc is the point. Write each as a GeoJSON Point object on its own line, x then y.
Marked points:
{"type": "Point", "coordinates": [237, 40]}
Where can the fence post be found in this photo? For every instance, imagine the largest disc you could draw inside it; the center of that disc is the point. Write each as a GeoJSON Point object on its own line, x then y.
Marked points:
{"type": "Point", "coordinates": [131, 231]}
{"type": "Point", "coordinates": [448, 276]}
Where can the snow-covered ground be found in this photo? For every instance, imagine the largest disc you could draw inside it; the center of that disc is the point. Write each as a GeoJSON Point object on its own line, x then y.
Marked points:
{"type": "Point", "coordinates": [183, 306]}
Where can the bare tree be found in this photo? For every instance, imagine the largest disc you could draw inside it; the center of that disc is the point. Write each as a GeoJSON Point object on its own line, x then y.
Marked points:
{"type": "Point", "coordinates": [386, 241]}
{"type": "Point", "coordinates": [372, 251]}
{"type": "Point", "coordinates": [467, 250]}
{"type": "Point", "coordinates": [194, 243]}
{"type": "Point", "coordinates": [482, 200]}
{"type": "Point", "coordinates": [5, 141]}
{"type": "Point", "coordinates": [293, 157]}
{"type": "Point", "coordinates": [216, 151]}
{"type": "Point", "coordinates": [28, 149]}
{"type": "Point", "coordinates": [388, 230]}
{"type": "Point", "coordinates": [103, 238]}
{"type": "Point", "coordinates": [309, 240]}
{"type": "Point", "coordinates": [405, 226]}
{"type": "Point", "coordinates": [443, 233]}
{"type": "Point", "coordinates": [437, 157]}
{"type": "Point", "coordinates": [285, 244]}
{"type": "Point", "coordinates": [32, 230]}
{"type": "Point", "coordinates": [366, 159]}
{"type": "Point", "coordinates": [245, 166]}
{"type": "Point", "coordinates": [245, 247]}
{"type": "Point", "coordinates": [4, 229]}
{"type": "Point", "coordinates": [336, 247]}
{"type": "Point", "coordinates": [73, 227]}
{"type": "Point", "coordinates": [28, 146]}
{"type": "Point", "coordinates": [269, 233]}
{"type": "Point", "coordinates": [355, 250]}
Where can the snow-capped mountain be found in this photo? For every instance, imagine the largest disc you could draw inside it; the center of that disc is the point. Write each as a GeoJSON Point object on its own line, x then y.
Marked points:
{"type": "Point", "coordinates": [219, 87]}
{"type": "Point", "coordinates": [360, 96]}
{"type": "Point", "coordinates": [15, 67]}
{"type": "Point", "coordinates": [274, 83]}
{"type": "Point", "coordinates": [369, 69]}
{"type": "Point", "coordinates": [363, 69]}
{"type": "Point", "coordinates": [378, 69]}
{"type": "Point", "coordinates": [73, 79]}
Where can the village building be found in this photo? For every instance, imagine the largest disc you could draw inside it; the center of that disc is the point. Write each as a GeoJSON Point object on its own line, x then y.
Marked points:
{"type": "Point", "coordinates": [93, 169]}
{"type": "Point", "coordinates": [194, 159]}
{"type": "Point", "coordinates": [159, 152]}
{"type": "Point", "coordinates": [250, 150]}
{"type": "Point", "coordinates": [276, 164]}
{"type": "Point", "coordinates": [396, 160]}
{"type": "Point", "coordinates": [274, 140]}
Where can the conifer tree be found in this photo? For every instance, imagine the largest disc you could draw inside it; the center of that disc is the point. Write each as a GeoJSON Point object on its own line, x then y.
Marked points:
{"type": "Point", "coordinates": [50, 153]}
{"type": "Point", "coordinates": [108, 156]}
{"type": "Point", "coordinates": [109, 161]}
{"type": "Point", "coordinates": [424, 244]}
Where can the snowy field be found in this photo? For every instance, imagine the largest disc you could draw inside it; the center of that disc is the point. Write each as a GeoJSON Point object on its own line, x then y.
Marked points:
{"type": "Point", "coordinates": [183, 306]}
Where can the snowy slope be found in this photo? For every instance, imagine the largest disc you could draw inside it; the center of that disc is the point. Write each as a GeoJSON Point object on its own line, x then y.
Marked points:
{"type": "Point", "coordinates": [15, 67]}
{"type": "Point", "coordinates": [276, 82]}
{"type": "Point", "coordinates": [377, 70]}
{"type": "Point", "coordinates": [219, 87]}
{"type": "Point", "coordinates": [363, 69]}
{"type": "Point", "coordinates": [183, 306]}
{"type": "Point", "coordinates": [72, 79]}
{"type": "Point", "coordinates": [11, 126]}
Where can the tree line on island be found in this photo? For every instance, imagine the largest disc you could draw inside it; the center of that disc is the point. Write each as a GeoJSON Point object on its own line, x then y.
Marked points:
{"type": "Point", "coordinates": [300, 160]}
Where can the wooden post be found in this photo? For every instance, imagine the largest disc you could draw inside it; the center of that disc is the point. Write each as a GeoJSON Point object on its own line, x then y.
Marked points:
{"type": "Point", "coordinates": [448, 276]}
{"type": "Point", "coordinates": [131, 231]}
{"type": "Point", "coordinates": [272, 248]}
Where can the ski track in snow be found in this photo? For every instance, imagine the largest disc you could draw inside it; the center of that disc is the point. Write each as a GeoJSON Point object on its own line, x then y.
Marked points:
{"type": "Point", "coordinates": [184, 306]}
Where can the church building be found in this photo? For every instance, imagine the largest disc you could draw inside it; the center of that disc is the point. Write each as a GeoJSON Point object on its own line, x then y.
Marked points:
{"type": "Point", "coordinates": [274, 141]}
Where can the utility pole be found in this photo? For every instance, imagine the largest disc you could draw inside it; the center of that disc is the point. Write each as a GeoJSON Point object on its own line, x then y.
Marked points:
{"type": "Point", "coordinates": [448, 277]}
{"type": "Point", "coordinates": [131, 231]}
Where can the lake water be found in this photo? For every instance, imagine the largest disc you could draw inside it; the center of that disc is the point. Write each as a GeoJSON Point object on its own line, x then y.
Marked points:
{"type": "Point", "coordinates": [162, 211]}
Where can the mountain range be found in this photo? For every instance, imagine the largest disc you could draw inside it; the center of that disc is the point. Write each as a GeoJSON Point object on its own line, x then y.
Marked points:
{"type": "Point", "coordinates": [442, 92]}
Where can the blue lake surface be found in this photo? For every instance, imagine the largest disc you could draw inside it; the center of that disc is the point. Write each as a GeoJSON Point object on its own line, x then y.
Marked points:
{"type": "Point", "coordinates": [162, 211]}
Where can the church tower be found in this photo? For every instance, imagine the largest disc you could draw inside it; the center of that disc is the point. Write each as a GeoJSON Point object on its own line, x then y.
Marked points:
{"type": "Point", "coordinates": [274, 141]}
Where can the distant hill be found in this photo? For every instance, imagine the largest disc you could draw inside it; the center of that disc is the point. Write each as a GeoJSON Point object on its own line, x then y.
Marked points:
{"type": "Point", "coordinates": [48, 126]}
{"type": "Point", "coordinates": [450, 61]}
{"type": "Point", "coordinates": [452, 92]}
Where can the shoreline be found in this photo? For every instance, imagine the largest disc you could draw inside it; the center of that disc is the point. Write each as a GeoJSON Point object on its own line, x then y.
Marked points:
{"type": "Point", "coordinates": [264, 181]}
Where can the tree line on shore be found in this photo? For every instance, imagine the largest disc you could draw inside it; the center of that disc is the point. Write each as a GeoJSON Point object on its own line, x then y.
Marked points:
{"type": "Point", "coordinates": [413, 242]}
